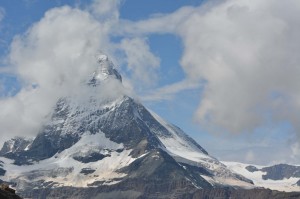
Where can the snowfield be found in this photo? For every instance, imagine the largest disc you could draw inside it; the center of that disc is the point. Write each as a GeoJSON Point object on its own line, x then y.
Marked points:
{"type": "Point", "coordinates": [63, 170]}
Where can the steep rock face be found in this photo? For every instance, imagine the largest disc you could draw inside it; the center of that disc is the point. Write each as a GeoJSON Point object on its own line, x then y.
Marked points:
{"type": "Point", "coordinates": [2, 171]}
{"type": "Point", "coordinates": [121, 123]}
{"type": "Point", "coordinates": [101, 140]}
{"type": "Point", "coordinates": [15, 145]}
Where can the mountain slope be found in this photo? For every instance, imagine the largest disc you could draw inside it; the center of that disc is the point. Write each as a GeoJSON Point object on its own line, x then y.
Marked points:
{"type": "Point", "coordinates": [102, 140]}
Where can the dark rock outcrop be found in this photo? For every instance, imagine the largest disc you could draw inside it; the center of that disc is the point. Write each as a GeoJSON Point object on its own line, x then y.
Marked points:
{"type": "Point", "coordinates": [87, 171]}
{"type": "Point", "coordinates": [2, 172]}
{"type": "Point", "coordinates": [252, 168]}
{"type": "Point", "coordinates": [7, 193]}
{"type": "Point", "coordinates": [93, 157]}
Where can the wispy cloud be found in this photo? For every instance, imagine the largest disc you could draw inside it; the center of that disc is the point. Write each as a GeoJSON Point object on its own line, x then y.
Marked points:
{"type": "Point", "coordinates": [169, 91]}
{"type": "Point", "coordinates": [141, 62]}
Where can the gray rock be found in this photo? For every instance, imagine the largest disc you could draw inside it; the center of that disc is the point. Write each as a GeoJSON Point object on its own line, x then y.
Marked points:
{"type": "Point", "coordinates": [2, 172]}
{"type": "Point", "coordinates": [87, 171]}
{"type": "Point", "coordinates": [93, 157]}
{"type": "Point", "coordinates": [251, 168]}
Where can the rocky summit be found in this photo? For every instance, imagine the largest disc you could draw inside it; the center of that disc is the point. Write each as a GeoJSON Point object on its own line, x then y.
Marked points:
{"type": "Point", "coordinates": [102, 143]}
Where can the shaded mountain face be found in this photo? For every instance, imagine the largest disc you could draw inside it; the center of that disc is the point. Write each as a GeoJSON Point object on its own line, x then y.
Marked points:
{"type": "Point", "coordinates": [15, 145]}
{"type": "Point", "coordinates": [102, 140]}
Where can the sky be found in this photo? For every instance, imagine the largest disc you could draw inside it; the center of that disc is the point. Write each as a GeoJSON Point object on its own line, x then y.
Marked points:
{"type": "Point", "coordinates": [226, 72]}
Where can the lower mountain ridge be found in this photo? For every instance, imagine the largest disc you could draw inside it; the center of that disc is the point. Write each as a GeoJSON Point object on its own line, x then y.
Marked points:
{"type": "Point", "coordinates": [281, 177]}
{"type": "Point", "coordinates": [113, 147]}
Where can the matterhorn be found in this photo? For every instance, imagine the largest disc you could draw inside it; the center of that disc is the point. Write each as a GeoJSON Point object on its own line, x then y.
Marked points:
{"type": "Point", "coordinates": [102, 143]}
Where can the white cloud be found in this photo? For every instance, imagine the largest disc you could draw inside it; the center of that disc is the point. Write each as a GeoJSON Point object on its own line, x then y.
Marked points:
{"type": "Point", "coordinates": [167, 23]}
{"type": "Point", "coordinates": [250, 156]}
{"type": "Point", "coordinates": [63, 40]}
{"type": "Point", "coordinates": [295, 148]}
{"type": "Point", "coordinates": [140, 61]}
{"type": "Point", "coordinates": [57, 55]}
{"type": "Point", "coordinates": [105, 10]}
{"type": "Point", "coordinates": [246, 51]}
{"type": "Point", "coordinates": [169, 91]}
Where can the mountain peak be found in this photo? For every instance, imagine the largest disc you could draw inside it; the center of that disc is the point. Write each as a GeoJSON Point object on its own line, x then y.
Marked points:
{"type": "Point", "coordinates": [102, 57]}
{"type": "Point", "coordinates": [105, 70]}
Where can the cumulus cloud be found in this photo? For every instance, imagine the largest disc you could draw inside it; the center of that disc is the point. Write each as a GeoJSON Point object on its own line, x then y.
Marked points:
{"type": "Point", "coordinates": [246, 52]}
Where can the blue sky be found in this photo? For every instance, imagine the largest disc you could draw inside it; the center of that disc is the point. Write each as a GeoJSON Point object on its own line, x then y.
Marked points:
{"type": "Point", "coordinates": [207, 66]}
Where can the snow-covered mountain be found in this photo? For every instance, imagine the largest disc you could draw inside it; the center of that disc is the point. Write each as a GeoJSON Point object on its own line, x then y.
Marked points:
{"type": "Point", "coordinates": [282, 177]}
{"type": "Point", "coordinates": [101, 142]}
